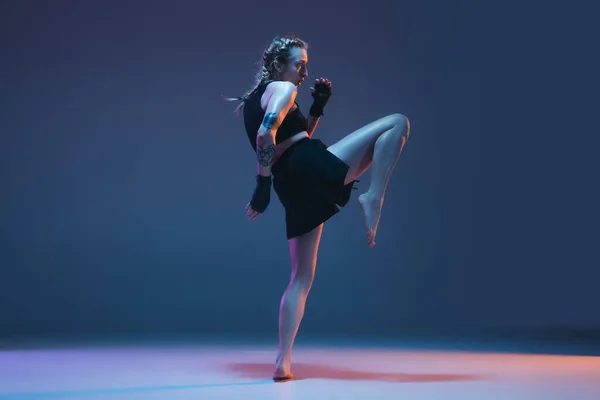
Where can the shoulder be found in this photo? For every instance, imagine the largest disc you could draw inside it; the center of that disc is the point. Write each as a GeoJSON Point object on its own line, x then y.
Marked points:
{"type": "Point", "coordinates": [281, 88]}
{"type": "Point", "coordinates": [279, 92]}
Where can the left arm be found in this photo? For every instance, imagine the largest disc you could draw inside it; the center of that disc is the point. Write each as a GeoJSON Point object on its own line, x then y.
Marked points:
{"type": "Point", "coordinates": [320, 93]}
{"type": "Point", "coordinates": [312, 124]}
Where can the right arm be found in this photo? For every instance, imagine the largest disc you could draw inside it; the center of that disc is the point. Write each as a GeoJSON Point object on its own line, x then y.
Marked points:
{"type": "Point", "coordinates": [281, 99]}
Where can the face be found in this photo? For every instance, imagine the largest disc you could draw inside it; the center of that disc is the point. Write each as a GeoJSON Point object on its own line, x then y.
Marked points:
{"type": "Point", "coordinates": [295, 70]}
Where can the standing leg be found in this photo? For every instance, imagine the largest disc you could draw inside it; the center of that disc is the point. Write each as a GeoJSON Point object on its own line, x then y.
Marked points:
{"type": "Point", "coordinates": [303, 254]}
{"type": "Point", "coordinates": [379, 145]}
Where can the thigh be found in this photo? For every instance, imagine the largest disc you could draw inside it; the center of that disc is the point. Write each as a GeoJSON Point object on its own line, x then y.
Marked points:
{"type": "Point", "coordinates": [356, 149]}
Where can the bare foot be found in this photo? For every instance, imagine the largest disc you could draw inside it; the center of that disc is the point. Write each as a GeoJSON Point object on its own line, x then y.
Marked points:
{"type": "Point", "coordinates": [371, 209]}
{"type": "Point", "coordinates": [282, 369]}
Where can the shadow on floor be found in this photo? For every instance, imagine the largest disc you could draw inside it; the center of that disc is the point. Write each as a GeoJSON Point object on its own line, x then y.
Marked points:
{"type": "Point", "coordinates": [319, 371]}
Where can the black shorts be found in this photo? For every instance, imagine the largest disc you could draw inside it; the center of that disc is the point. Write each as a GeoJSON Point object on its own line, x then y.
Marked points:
{"type": "Point", "coordinates": [309, 181]}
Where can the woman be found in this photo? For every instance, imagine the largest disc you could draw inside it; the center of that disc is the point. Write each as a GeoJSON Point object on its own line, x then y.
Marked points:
{"type": "Point", "coordinates": [310, 179]}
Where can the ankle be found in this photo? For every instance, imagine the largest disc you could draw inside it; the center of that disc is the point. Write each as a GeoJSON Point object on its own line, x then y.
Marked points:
{"type": "Point", "coordinates": [372, 196]}
{"type": "Point", "coordinates": [284, 358]}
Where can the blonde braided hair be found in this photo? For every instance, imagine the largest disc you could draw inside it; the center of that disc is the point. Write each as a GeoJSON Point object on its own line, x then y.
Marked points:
{"type": "Point", "coordinates": [279, 49]}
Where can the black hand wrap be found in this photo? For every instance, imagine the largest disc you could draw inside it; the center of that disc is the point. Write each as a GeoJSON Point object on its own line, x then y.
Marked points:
{"type": "Point", "coordinates": [262, 193]}
{"type": "Point", "coordinates": [320, 96]}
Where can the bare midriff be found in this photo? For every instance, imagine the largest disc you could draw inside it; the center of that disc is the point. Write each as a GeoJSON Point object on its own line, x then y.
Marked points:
{"type": "Point", "coordinates": [280, 148]}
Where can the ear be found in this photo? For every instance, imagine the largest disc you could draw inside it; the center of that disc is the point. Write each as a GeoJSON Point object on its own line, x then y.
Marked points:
{"type": "Point", "coordinates": [278, 66]}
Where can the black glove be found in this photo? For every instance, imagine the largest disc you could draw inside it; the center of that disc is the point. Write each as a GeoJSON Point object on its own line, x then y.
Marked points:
{"type": "Point", "coordinates": [321, 94]}
{"type": "Point", "coordinates": [262, 193]}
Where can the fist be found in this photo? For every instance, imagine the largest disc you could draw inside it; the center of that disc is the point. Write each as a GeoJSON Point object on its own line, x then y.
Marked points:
{"type": "Point", "coordinates": [322, 88]}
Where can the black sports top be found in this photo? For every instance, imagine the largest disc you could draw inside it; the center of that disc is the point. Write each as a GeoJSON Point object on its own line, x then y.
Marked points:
{"type": "Point", "coordinates": [293, 123]}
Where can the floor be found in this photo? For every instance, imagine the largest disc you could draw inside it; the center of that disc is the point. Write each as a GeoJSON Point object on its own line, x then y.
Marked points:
{"type": "Point", "coordinates": [218, 371]}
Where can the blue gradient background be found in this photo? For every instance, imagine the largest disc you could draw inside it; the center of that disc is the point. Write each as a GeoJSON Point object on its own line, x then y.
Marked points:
{"type": "Point", "coordinates": [125, 175]}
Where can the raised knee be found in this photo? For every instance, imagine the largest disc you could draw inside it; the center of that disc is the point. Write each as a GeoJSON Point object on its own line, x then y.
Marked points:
{"type": "Point", "coordinates": [402, 122]}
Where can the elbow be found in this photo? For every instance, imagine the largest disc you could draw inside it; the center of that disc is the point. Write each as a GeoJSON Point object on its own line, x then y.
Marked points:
{"type": "Point", "coordinates": [265, 136]}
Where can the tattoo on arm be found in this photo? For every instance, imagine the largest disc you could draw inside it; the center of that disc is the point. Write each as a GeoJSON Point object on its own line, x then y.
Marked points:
{"type": "Point", "coordinates": [269, 120]}
{"type": "Point", "coordinates": [265, 154]}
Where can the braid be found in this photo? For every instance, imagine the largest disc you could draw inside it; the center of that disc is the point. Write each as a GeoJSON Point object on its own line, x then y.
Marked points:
{"type": "Point", "coordinates": [277, 50]}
